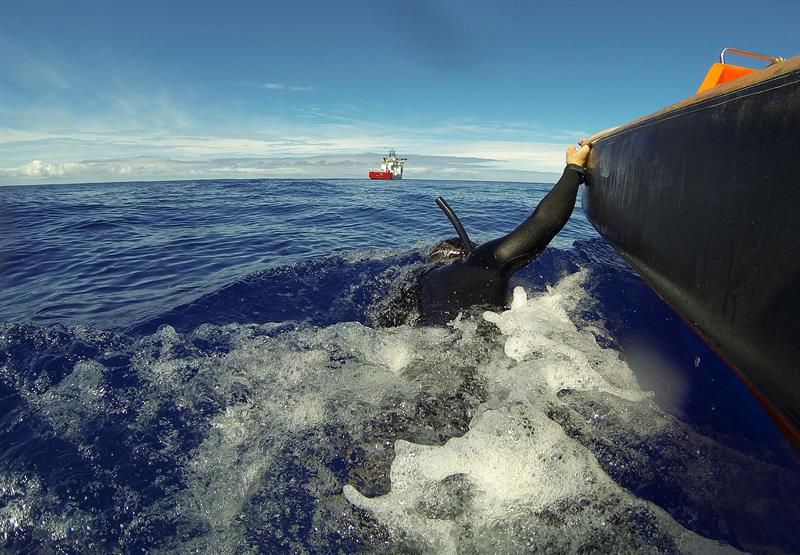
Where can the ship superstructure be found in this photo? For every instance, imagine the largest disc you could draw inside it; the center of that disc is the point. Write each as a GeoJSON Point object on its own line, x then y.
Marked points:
{"type": "Point", "coordinates": [391, 167]}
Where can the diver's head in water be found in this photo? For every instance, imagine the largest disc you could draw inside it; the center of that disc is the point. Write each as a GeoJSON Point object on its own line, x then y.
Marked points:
{"type": "Point", "coordinates": [401, 305]}
{"type": "Point", "coordinates": [448, 251]}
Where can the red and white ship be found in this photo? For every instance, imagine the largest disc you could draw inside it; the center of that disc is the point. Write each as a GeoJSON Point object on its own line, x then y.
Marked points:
{"type": "Point", "coordinates": [391, 167]}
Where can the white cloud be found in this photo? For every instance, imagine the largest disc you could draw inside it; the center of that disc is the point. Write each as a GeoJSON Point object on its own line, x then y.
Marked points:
{"type": "Point", "coordinates": [71, 150]}
{"type": "Point", "coordinates": [285, 87]}
{"type": "Point", "coordinates": [518, 130]}
{"type": "Point", "coordinates": [520, 155]}
{"type": "Point", "coordinates": [25, 70]}
{"type": "Point", "coordinates": [39, 168]}
{"type": "Point", "coordinates": [145, 168]}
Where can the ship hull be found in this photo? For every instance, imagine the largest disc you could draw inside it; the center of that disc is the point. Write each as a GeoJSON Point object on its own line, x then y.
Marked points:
{"type": "Point", "coordinates": [383, 175]}
{"type": "Point", "coordinates": [703, 201]}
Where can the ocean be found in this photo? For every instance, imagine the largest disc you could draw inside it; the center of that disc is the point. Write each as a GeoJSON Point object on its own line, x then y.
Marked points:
{"type": "Point", "coordinates": [204, 366]}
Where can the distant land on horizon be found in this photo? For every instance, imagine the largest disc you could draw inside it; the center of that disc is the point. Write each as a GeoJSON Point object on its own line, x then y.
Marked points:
{"type": "Point", "coordinates": [344, 166]}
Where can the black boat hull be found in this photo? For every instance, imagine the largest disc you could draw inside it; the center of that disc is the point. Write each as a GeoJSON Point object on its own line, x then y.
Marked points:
{"type": "Point", "coordinates": [704, 201]}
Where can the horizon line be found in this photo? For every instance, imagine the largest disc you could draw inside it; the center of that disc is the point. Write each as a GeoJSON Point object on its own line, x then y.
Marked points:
{"type": "Point", "coordinates": [186, 180]}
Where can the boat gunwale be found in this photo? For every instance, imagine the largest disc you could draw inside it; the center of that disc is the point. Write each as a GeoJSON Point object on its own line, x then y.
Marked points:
{"type": "Point", "coordinates": [769, 79]}
{"type": "Point", "coordinates": [767, 75]}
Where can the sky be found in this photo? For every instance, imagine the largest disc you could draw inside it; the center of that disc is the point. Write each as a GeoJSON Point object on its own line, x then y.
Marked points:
{"type": "Point", "coordinates": [117, 90]}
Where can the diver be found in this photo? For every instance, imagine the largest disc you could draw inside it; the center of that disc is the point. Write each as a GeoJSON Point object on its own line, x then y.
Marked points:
{"type": "Point", "coordinates": [466, 275]}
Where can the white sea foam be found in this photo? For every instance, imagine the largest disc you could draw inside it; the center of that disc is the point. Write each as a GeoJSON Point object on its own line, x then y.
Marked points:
{"type": "Point", "coordinates": [445, 436]}
{"type": "Point", "coordinates": [516, 481]}
{"type": "Point", "coordinates": [539, 334]}
{"type": "Point", "coordinates": [24, 501]}
{"type": "Point", "coordinates": [346, 376]}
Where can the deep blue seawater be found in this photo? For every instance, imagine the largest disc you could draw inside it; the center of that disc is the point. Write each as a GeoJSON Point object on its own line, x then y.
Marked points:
{"type": "Point", "coordinates": [201, 367]}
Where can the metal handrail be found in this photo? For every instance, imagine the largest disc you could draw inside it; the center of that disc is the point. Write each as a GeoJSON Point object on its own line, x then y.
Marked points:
{"type": "Point", "coordinates": [772, 59]}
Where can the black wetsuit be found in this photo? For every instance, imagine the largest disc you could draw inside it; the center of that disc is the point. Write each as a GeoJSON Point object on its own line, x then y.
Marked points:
{"type": "Point", "coordinates": [482, 277]}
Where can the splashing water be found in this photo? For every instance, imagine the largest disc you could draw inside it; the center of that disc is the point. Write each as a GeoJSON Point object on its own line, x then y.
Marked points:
{"type": "Point", "coordinates": [516, 481]}
{"type": "Point", "coordinates": [146, 409]}
{"type": "Point", "coordinates": [244, 437]}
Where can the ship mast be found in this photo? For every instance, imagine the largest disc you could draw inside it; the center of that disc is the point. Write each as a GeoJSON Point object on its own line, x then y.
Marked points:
{"type": "Point", "coordinates": [393, 164]}
{"type": "Point", "coordinates": [391, 167]}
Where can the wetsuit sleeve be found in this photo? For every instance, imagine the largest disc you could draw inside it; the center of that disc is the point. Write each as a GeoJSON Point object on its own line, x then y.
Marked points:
{"type": "Point", "coordinates": [522, 245]}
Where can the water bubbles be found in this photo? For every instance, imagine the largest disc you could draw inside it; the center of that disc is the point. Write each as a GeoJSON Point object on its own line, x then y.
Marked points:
{"type": "Point", "coordinates": [502, 433]}
{"type": "Point", "coordinates": [508, 481]}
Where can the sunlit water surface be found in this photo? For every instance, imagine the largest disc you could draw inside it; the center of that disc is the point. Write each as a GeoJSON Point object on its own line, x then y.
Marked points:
{"type": "Point", "coordinates": [198, 367]}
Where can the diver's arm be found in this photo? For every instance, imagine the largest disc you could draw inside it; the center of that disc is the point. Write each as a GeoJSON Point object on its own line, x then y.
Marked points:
{"type": "Point", "coordinates": [518, 248]}
{"type": "Point", "coordinates": [522, 245]}
{"type": "Point", "coordinates": [510, 253]}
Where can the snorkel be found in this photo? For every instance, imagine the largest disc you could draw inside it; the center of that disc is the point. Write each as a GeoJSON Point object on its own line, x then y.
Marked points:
{"type": "Point", "coordinates": [462, 233]}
